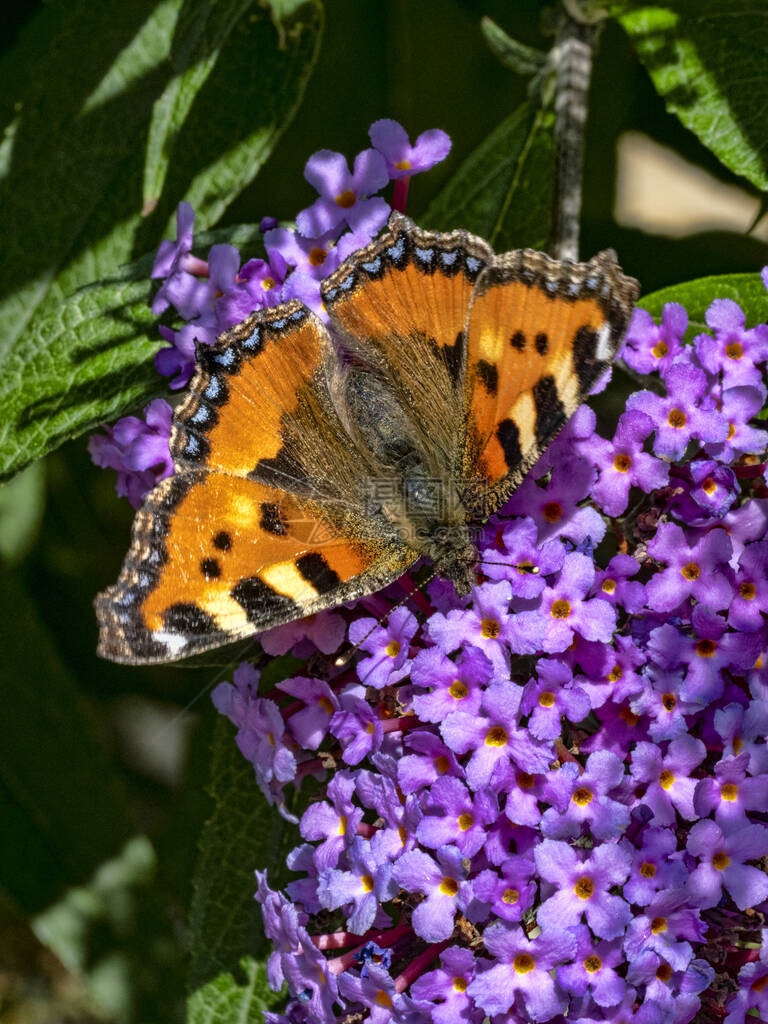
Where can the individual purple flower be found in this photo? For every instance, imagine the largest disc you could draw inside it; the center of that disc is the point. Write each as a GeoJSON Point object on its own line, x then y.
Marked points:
{"type": "Point", "coordinates": [623, 464]}
{"type": "Point", "coordinates": [453, 816]}
{"type": "Point", "coordinates": [730, 794]}
{"type": "Point", "coordinates": [311, 980]}
{"type": "Point", "coordinates": [711, 651]}
{"type": "Point", "coordinates": [388, 645]}
{"type": "Point", "coordinates": [555, 507]}
{"type": "Point", "coordinates": [282, 923]}
{"type": "Point", "coordinates": [590, 804]}
{"type": "Point", "coordinates": [750, 601]}
{"type": "Point", "coordinates": [621, 728]}
{"type": "Point", "coordinates": [670, 786]}
{"type": "Point", "coordinates": [516, 557]}
{"type": "Point", "coordinates": [722, 864]}
{"type": "Point", "coordinates": [404, 159]}
{"type": "Point", "coordinates": [662, 701]}
{"type": "Point", "coordinates": [453, 685]}
{"type": "Point", "coordinates": [374, 990]}
{"type": "Point", "coordinates": [443, 881]}
{"type": "Point", "coordinates": [137, 449]}
{"type": "Point", "coordinates": [675, 991]}
{"type": "Point", "coordinates": [525, 792]}
{"type": "Point", "coordinates": [593, 969]}
{"type": "Point", "coordinates": [566, 608]}
{"type": "Point", "coordinates": [752, 994]}
{"type": "Point", "coordinates": [610, 670]}
{"type": "Point", "coordinates": [494, 738]}
{"type": "Point", "coordinates": [615, 584]}
{"type": "Point", "coordinates": [356, 725]}
{"type": "Point", "coordinates": [523, 969]}
{"type": "Point", "coordinates": [333, 821]}
{"type": "Point", "coordinates": [656, 865]}
{"type": "Point", "coordinates": [324, 631]}
{"type": "Point", "coordinates": [581, 887]}
{"type": "Point", "coordinates": [344, 196]}
{"type": "Point", "coordinates": [743, 731]}
{"type": "Point", "coordinates": [685, 414]}
{"type": "Point", "coordinates": [651, 348]}
{"type": "Point", "coordinates": [361, 889]}
{"type": "Point", "coordinates": [309, 724]}
{"type": "Point", "coordinates": [262, 741]}
{"type": "Point", "coordinates": [315, 257]}
{"type": "Point", "coordinates": [734, 351]}
{"type": "Point", "coordinates": [697, 570]}
{"type": "Point", "coordinates": [510, 891]}
{"type": "Point", "coordinates": [739, 405]}
{"type": "Point", "coordinates": [667, 926]}
{"type": "Point", "coordinates": [490, 626]}
{"type": "Point", "coordinates": [445, 988]}
{"type": "Point", "coordinates": [552, 695]}
{"type": "Point", "coordinates": [430, 760]}
{"type": "Point", "coordinates": [174, 261]}
{"type": "Point", "coordinates": [178, 361]}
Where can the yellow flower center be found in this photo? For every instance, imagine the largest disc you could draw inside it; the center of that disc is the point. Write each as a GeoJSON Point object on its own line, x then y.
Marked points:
{"type": "Point", "coordinates": [546, 699]}
{"type": "Point", "coordinates": [523, 963]}
{"type": "Point", "coordinates": [346, 199]}
{"type": "Point", "coordinates": [459, 984]}
{"type": "Point", "coordinates": [747, 591]}
{"type": "Point", "coordinates": [560, 609]}
{"type": "Point", "coordinates": [658, 925]}
{"type": "Point", "coordinates": [660, 349]}
{"type": "Point", "coordinates": [734, 350]}
{"type": "Point", "coordinates": [706, 648]}
{"type": "Point", "coordinates": [317, 256]}
{"type": "Point", "coordinates": [622, 462]}
{"type": "Point", "coordinates": [449, 886]}
{"type": "Point", "coordinates": [466, 821]}
{"type": "Point", "coordinates": [489, 629]}
{"type": "Point", "coordinates": [593, 964]}
{"type": "Point", "coordinates": [583, 796]}
{"type": "Point", "coordinates": [731, 431]}
{"type": "Point", "coordinates": [647, 870]}
{"type": "Point", "coordinates": [666, 779]}
{"type": "Point", "coordinates": [382, 999]}
{"type": "Point", "coordinates": [608, 586]}
{"type": "Point", "coordinates": [342, 824]}
{"type": "Point", "coordinates": [729, 792]}
{"type": "Point", "coordinates": [615, 674]}
{"type": "Point", "coordinates": [690, 572]}
{"type": "Point", "coordinates": [721, 861]}
{"type": "Point", "coordinates": [367, 883]}
{"type": "Point", "coordinates": [393, 648]}
{"type": "Point", "coordinates": [584, 888]}
{"type": "Point", "coordinates": [458, 690]}
{"type": "Point", "coordinates": [267, 283]}
{"type": "Point", "coordinates": [405, 165]}
{"type": "Point", "coordinates": [676, 418]}
{"type": "Point", "coordinates": [496, 737]}
{"type": "Point", "coordinates": [709, 486]}
{"type": "Point", "coordinates": [510, 896]}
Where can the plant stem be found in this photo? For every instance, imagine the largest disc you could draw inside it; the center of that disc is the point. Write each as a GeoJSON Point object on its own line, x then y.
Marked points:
{"type": "Point", "coordinates": [572, 60]}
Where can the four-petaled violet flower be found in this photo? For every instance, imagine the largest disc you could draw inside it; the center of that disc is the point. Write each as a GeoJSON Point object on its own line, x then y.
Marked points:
{"type": "Point", "coordinates": [404, 159]}
{"type": "Point", "coordinates": [344, 195]}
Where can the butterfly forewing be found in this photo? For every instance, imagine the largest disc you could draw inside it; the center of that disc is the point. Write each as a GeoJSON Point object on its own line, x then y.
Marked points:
{"type": "Point", "coordinates": [540, 333]}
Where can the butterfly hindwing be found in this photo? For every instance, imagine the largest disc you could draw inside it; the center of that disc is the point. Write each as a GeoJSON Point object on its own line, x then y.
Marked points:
{"type": "Point", "coordinates": [400, 304]}
{"type": "Point", "coordinates": [540, 333]}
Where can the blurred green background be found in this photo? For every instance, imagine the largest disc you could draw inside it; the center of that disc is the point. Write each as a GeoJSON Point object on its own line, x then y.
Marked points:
{"type": "Point", "coordinates": [103, 769]}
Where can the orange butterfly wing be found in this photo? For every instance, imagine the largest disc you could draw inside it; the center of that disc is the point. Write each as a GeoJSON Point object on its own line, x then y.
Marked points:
{"type": "Point", "coordinates": [540, 333]}
{"type": "Point", "coordinates": [259, 525]}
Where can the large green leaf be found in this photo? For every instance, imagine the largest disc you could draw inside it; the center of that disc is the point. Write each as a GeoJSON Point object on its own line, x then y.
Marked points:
{"type": "Point", "coordinates": [61, 808]}
{"type": "Point", "coordinates": [503, 191]}
{"type": "Point", "coordinates": [226, 938]}
{"type": "Point", "coordinates": [746, 289]}
{"type": "Point", "coordinates": [203, 28]}
{"type": "Point", "coordinates": [88, 360]}
{"type": "Point", "coordinates": [707, 59]}
{"type": "Point", "coordinates": [77, 218]}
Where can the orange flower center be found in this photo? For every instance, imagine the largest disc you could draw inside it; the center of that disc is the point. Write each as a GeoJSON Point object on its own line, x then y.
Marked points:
{"type": "Point", "coordinates": [676, 418]}
{"type": "Point", "coordinates": [658, 925]}
{"type": "Point", "coordinates": [489, 629]}
{"type": "Point", "coordinates": [523, 963]}
{"type": "Point", "coordinates": [690, 571]}
{"type": "Point", "coordinates": [747, 591]}
{"type": "Point", "coordinates": [622, 463]}
{"type": "Point", "coordinates": [666, 779]}
{"type": "Point", "coordinates": [593, 964]}
{"type": "Point", "coordinates": [706, 648]}
{"type": "Point", "coordinates": [583, 796]}
{"type": "Point", "coordinates": [584, 888]}
{"type": "Point", "coordinates": [546, 699]}
{"type": "Point", "coordinates": [729, 792]}
{"type": "Point", "coordinates": [721, 861]}
{"type": "Point", "coordinates": [510, 896]}
{"type": "Point", "coordinates": [608, 585]}
{"type": "Point", "coordinates": [734, 350]}
{"type": "Point", "coordinates": [496, 737]}
{"type": "Point", "coordinates": [552, 511]}
{"type": "Point", "coordinates": [449, 886]}
{"type": "Point", "coordinates": [405, 165]}
{"type": "Point", "coordinates": [458, 690]}
{"type": "Point", "coordinates": [560, 609]}
{"type": "Point", "coordinates": [346, 199]}
{"type": "Point", "coordinates": [317, 256]}
{"type": "Point", "coordinates": [647, 870]}
{"type": "Point", "coordinates": [668, 701]}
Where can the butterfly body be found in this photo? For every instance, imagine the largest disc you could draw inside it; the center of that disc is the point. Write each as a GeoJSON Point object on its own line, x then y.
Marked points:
{"type": "Point", "coordinates": [314, 466]}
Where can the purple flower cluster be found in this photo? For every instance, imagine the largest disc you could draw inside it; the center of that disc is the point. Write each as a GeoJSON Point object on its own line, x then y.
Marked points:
{"type": "Point", "coordinates": [548, 801]}
{"type": "Point", "coordinates": [216, 293]}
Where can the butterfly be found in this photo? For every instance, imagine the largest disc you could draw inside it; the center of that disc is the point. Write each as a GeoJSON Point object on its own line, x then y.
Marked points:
{"type": "Point", "coordinates": [314, 465]}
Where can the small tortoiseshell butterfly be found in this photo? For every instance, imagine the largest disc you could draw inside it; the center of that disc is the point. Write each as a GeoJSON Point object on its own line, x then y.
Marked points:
{"type": "Point", "coordinates": [314, 466]}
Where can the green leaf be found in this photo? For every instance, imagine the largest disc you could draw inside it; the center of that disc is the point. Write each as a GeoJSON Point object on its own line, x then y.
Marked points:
{"type": "Point", "coordinates": [88, 360]}
{"type": "Point", "coordinates": [522, 59]}
{"type": "Point", "coordinates": [503, 191]}
{"type": "Point", "coordinates": [74, 219]}
{"type": "Point", "coordinates": [707, 60]}
{"type": "Point", "coordinates": [22, 502]}
{"type": "Point", "coordinates": [202, 30]}
{"type": "Point", "coordinates": [225, 1000]}
{"type": "Point", "coordinates": [746, 289]}
{"type": "Point", "coordinates": [243, 834]}
{"type": "Point", "coordinates": [61, 808]}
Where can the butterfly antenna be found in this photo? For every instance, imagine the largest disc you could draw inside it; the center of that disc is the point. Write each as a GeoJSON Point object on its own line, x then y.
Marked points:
{"type": "Point", "coordinates": [344, 659]}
